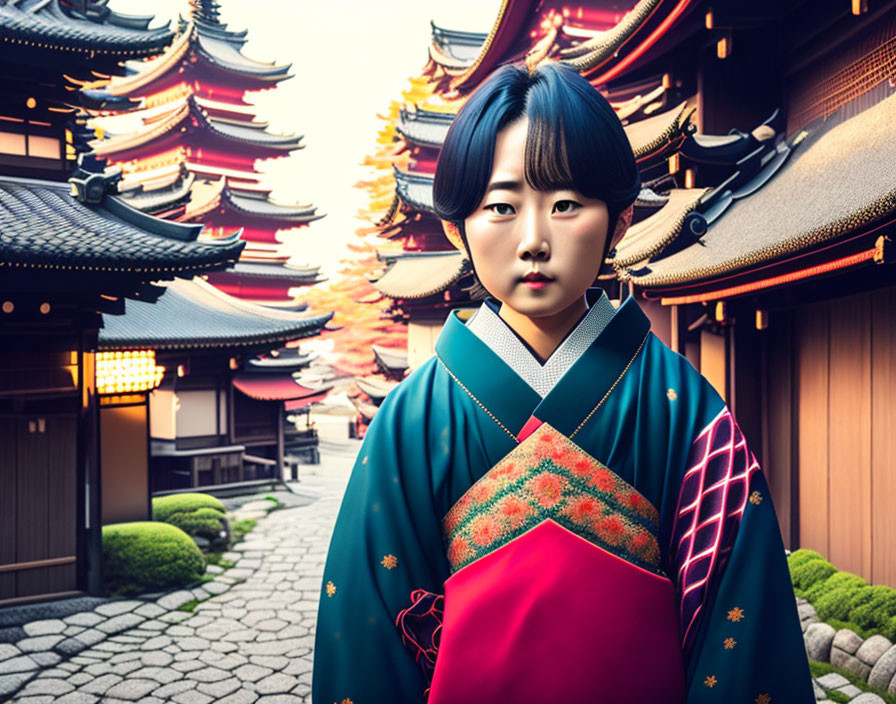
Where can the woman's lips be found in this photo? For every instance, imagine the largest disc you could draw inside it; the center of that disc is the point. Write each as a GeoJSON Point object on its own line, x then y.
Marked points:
{"type": "Point", "coordinates": [536, 281]}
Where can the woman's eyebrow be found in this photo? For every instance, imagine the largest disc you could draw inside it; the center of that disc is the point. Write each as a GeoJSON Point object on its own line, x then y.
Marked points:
{"type": "Point", "coordinates": [504, 186]}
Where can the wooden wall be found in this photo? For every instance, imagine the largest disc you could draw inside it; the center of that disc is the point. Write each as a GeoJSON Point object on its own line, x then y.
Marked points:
{"type": "Point", "coordinates": [844, 395]}
{"type": "Point", "coordinates": [38, 552]}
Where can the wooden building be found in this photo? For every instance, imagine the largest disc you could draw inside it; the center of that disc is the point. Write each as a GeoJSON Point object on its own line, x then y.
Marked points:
{"type": "Point", "coordinates": [217, 416]}
{"type": "Point", "coordinates": [786, 300]}
{"type": "Point", "coordinates": [64, 261]}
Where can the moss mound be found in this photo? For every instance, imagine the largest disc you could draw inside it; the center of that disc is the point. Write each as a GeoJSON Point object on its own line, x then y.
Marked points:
{"type": "Point", "coordinates": [164, 506]}
{"type": "Point", "coordinates": [147, 556]}
{"type": "Point", "coordinates": [810, 572]}
{"type": "Point", "coordinates": [208, 523]}
{"type": "Point", "coordinates": [199, 515]}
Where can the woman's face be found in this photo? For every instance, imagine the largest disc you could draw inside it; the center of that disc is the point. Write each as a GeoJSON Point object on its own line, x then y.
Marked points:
{"type": "Point", "coordinates": [535, 251]}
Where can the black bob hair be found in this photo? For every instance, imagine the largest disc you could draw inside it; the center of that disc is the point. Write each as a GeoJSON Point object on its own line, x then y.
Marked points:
{"type": "Point", "coordinates": [575, 141]}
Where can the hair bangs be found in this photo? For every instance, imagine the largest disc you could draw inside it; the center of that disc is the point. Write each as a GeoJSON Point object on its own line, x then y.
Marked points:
{"type": "Point", "coordinates": [546, 161]}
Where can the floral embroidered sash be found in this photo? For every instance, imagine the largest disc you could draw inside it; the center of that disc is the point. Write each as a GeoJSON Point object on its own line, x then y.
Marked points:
{"type": "Point", "coordinates": [548, 476]}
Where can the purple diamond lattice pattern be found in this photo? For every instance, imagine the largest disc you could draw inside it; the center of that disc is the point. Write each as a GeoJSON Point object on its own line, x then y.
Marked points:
{"type": "Point", "coordinates": [711, 503]}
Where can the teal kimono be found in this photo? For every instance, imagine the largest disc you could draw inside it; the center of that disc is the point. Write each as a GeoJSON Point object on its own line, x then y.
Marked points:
{"type": "Point", "coordinates": [611, 540]}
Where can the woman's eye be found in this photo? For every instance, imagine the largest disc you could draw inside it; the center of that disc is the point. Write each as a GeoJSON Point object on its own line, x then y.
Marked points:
{"type": "Point", "coordinates": [500, 208]}
{"type": "Point", "coordinates": [565, 206]}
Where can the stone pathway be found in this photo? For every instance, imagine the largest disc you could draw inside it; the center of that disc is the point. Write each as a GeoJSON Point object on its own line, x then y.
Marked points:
{"type": "Point", "coordinates": [248, 642]}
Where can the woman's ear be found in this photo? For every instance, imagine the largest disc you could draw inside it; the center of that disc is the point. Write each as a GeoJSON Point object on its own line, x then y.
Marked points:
{"type": "Point", "coordinates": [452, 232]}
{"type": "Point", "coordinates": [622, 225]}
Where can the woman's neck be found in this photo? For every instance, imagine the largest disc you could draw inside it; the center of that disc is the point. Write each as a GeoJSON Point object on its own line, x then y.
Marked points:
{"type": "Point", "coordinates": [543, 334]}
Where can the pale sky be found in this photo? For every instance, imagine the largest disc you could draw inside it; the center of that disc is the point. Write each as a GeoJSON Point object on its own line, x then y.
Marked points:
{"type": "Point", "coordinates": [350, 59]}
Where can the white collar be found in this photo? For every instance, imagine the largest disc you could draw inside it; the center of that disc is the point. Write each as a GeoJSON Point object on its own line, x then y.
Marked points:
{"type": "Point", "coordinates": [489, 327]}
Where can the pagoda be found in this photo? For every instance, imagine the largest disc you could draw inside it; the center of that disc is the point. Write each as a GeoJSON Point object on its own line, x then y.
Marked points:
{"type": "Point", "coordinates": [187, 139]}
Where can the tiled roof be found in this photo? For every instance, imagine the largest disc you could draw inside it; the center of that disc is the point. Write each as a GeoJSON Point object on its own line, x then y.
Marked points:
{"type": "Point", "coordinates": [424, 127]}
{"type": "Point", "coordinates": [194, 314]}
{"type": "Point", "coordinates": [837, 181]}
{"type": "Point", "coordinates": [415, 189]}
{"type": "Point", "coordinates": [42, 226]}
{"type": "Point", "coordinates": [262, 206]}
{"type": "Point", "coordinates": [455, 49]}
{"type": "Point", "coordinates": [421, 274]}
{"type": "Point", "coordinates": [44, 24]}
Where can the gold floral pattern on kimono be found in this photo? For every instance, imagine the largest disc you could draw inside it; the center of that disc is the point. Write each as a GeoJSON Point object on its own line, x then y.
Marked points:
{"type": "Point", "coordinates": [548, 476]}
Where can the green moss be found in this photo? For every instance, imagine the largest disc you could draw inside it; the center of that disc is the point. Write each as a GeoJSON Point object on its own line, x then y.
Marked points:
{"type": "Point", "coordinates": [836, 696]}
{"type": "Point", "coordinates": [854, 627]}
{"type": "Point", "coordinates": [148, 555]}
{"type": "Point", "coordinates": [875, 612]}
{"type": "Point", "coordinates": [810, 572]}
{"type": "Point", "coordinates": [835, 604]}
{"type": "Point", "coordinates": [836, 580]}
{"type": "Point", "coordinates": [164, 506]}
{"type": "Point", "coordinates": [189, 607]}
{"type": "Point", "coordinates": [204, 522]}
{"type": "Point", "coordinates": [798, 557]}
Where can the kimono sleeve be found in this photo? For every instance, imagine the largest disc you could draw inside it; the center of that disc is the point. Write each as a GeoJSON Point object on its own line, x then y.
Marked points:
{"type": "Point", "coordinates": [741, 634]}
{"type": "Point", "coordinates": [386, 543]}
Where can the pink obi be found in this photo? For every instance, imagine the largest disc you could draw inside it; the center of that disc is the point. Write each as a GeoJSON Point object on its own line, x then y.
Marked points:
{"type": "Point", "coordinates": [556, 593]}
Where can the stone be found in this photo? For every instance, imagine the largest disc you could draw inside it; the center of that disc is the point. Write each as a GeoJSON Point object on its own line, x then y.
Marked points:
{"type": "Point", "coordinates": [201, 543]}
{"type": "Point", "coordinates": [20, 664]}
{"type": "Point", "coordinates": [8, 650]}
{"type": "Point", "coordinates": [832, 680]}
{"type": "Point", "coordinates": [263, 505]}
{"type": "Point", "coordinates": [868, 698]}
{"type": "Point", "coordinates": [209, 674]}
{"type": "Point", "coordinates": [44, 628]}
{"type": "Point", "coordinates": [849, 690]}
{"type": "Point", "coordinates": [70, 646]}
{"type": "Point", "coordinates": [221, 688]}
{"type": "Point", "coordinates": [252, 673]}
{"type": "Point", "coordinates": [132, 689]}
{"type": "Point", "coordinates": [39, 643]}
{"type": "Point", "coordinates": [216, 587]}
{"type": "Point", "coordinates": [191, 696]}
{"type": "Point", "coordinates": [176, 599]}
{"type": "Point", "coordinates": [806, 610]}
{"type": "Point", "coordinates": [157, 658]}
{"type": "Point", "coordinates": [100, 684]}
{"type": "Point", "coordinates": [849, 662]}
{"type": "Point", "coordinates": [85, 618]}
{"type": "Point", "coordinates": [276, 684]}
{"type": "Point", "coordinates": [45, 659]}
{"type": "Point", "coordinates": [847, 641]}
{"type": "Point", "coordinates": [884, 670]}
{"type": "Point", "coordinates": [169, 690]}
{"type": "Point", "coordinates": [872, 649]}
{"type": "Point", "coordinates": [240, 696]}
{"type": "Point", "coordinates": [12, 683]}
{"type": "Point", "coordinates": [819, 692]}
{"type": "Point", "coordinates": [149, 610]}
{"type": "Point", "coordinates": [47, 685]}
{"type": "Point", "coordinates": [114, 608]}
{"type": "Point", "coordinates": [119, 623]}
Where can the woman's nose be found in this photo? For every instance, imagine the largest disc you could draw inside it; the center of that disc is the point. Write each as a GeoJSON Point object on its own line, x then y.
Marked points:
{"type": "Point", "coordinates": [533, 244]}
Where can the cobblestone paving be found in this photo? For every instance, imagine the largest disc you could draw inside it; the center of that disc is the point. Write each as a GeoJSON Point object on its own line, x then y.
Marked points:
{"type": "Point", "coordinates": [249, 644]}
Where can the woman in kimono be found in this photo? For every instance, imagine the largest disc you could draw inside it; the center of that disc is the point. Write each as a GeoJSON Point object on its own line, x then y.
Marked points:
{"type": "Point", "coordinates": [555, 507]}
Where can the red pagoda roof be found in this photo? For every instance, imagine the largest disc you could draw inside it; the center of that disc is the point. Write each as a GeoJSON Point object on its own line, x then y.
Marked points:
{"type": "Point", "coordinates": [272, 387]}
